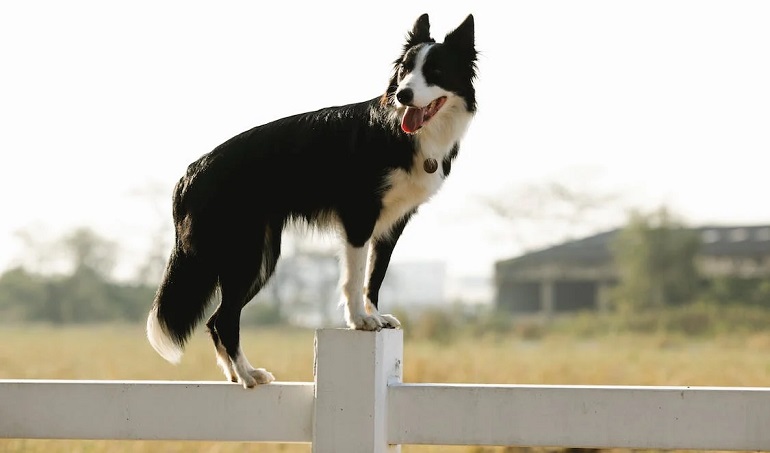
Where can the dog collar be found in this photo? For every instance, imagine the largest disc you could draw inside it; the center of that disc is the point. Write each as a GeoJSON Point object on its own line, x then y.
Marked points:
{"type": "Point", "coordinates": [430, 165]}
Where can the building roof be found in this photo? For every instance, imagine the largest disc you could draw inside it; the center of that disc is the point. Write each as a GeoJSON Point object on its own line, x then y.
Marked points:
{"type": "Point", "coordinates": [742, 240]}
{"type": "Point", "coordinates": [735, 240]}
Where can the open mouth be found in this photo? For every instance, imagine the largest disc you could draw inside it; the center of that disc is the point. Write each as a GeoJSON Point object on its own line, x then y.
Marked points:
{"type": "Point", "coordinates": [415, 117]}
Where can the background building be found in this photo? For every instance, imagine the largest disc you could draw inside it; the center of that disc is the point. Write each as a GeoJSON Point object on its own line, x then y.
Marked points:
{"type": "Point", "coordinates": [578, 274]}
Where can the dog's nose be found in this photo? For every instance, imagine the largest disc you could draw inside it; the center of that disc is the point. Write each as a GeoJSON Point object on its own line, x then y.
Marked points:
{"type": "Point", "coordinates": [405, 96]}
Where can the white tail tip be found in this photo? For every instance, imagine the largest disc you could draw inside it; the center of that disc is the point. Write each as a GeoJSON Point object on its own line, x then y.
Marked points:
{"type": "Point", "coordinates": [160, 339]}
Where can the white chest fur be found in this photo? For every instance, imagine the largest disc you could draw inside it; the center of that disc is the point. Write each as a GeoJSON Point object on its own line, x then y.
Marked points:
{"type": "Point", "coordinates": [406, 191]}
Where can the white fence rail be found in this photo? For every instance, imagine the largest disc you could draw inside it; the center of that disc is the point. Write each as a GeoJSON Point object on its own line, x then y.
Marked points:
{"type": "Point", "coordinates": [359, 404]}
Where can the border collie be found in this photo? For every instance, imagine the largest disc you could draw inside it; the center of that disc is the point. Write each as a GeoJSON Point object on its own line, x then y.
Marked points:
{"type": "Point", "coordinates": [360, 170]}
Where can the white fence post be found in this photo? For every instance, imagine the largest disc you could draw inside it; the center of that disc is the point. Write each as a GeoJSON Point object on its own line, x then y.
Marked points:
{"type": "Point", "coordinates": [352, 373]}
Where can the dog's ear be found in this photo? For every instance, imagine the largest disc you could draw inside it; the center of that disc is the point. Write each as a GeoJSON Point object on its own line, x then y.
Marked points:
{"type": "Point", "coordinates": [420, 32]}
{"type": "Point", "coordinates": [462, 36]}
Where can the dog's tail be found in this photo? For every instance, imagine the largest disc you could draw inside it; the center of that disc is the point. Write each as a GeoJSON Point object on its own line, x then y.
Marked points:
{"type": "Point", "coordinates": [187, 287]}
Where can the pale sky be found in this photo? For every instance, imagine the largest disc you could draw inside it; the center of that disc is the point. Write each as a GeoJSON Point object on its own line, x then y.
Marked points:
{"type": "Point", "coordinates": [665, 101]}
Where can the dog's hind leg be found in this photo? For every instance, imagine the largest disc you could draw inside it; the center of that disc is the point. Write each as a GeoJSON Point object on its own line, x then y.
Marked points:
{"type": "Point", "coordinates": [240, 280]}
{"type": "Point", "coordinates": [223, 360]}
{"type": "Point", "coordinates": [224, 326]}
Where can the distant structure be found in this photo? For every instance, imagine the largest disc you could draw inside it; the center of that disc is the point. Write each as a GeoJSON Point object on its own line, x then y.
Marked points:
{"type": "Point", "coordinates": [306, 289]}
{"type": "Point", "coordinates": [577, 275]}
{"type": "Point", "coordinates": [414, 285]}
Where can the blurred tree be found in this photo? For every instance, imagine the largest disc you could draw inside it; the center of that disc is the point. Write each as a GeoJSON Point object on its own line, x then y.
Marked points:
{"type": "Point", "coordinates": [85, 293]}
{"type": "Point", "coordinates": [85, 249]}
{"type": "Point", "coordinates": [39, 254]}
{"type": "Point", "coordinates": [538, 215]}
{"type": "Point", "coordinates": [80, 297]}
{"type": "Point", "coordinates": [732, 290]}
{"type": "Point", "coordinates": [655, 255]}
{"type": "Point", "coordinates": [156, 196]}
{"type": "Point", "coordinates": [23, 296]}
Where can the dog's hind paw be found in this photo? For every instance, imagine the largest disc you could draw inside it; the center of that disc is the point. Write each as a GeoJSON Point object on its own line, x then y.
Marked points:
{"type": "Point", "coordinates": [256, 377]}
{"type": "Point", "coordinates": [262, 376]}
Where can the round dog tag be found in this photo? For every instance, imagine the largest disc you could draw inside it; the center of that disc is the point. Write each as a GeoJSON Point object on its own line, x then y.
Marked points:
{"type": "Point", "coordinates": [430, 165]}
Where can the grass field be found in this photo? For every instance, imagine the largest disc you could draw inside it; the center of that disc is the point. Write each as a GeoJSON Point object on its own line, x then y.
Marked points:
{"type": "Point", "coordinates": [121, 352]}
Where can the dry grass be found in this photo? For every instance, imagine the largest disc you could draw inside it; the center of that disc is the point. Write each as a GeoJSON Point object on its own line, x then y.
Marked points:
{"type": "Point", "coordinates": [121, 352]}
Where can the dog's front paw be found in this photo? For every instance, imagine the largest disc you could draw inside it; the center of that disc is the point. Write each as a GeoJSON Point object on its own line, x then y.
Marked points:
{"type": "Point", "coordinates": [374, 321]}
{"type": "Point", "coordinates": [391, 322]}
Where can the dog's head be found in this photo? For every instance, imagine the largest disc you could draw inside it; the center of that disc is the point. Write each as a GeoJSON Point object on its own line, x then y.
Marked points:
{"type": "Point", "coordinates": [431, 78]}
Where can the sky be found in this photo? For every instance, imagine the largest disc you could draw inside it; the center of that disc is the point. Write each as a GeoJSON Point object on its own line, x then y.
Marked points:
{"type": "Point", "coordinates": [103, 105]}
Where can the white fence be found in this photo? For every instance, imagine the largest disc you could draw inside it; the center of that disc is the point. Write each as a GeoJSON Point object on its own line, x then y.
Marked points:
{"type": "Point", "coordinates": [359, 404]}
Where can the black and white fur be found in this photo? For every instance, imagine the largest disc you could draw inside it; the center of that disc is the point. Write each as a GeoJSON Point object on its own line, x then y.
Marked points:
{"type": "Point", "coordinates": [357, 169]}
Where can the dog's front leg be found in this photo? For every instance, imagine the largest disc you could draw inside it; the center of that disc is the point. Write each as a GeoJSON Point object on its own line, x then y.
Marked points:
{"type": "Point", "coordinates": [379, 259]}
{"type": "Point", "coordinates": [360, 314]}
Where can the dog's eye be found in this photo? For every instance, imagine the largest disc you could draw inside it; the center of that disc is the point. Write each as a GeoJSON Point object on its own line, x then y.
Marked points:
{"type": "Point", "coordinates": [402, 71]}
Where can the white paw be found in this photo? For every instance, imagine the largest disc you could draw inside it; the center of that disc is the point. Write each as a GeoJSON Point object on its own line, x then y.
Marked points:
{"type": "Point", "coordinates": [374, 321]}
{"type": "Point", "coordinates": [392, 322]}
{"type": "Point", "coordinates": [262, 376]}
{"type": "Point", "coordinates": [255, 377]}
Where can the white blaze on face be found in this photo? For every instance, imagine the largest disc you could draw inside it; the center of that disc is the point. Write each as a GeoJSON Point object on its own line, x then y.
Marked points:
{"type": "Point", "coordinates": [424, 94]}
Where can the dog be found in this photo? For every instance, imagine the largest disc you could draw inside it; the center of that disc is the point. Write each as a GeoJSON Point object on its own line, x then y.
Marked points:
{"type": "Point", "coordinates": [360, 169]}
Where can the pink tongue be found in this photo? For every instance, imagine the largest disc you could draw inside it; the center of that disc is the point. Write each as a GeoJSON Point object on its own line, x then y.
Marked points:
{"type": "Point", "coordinates": [412, 119]}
